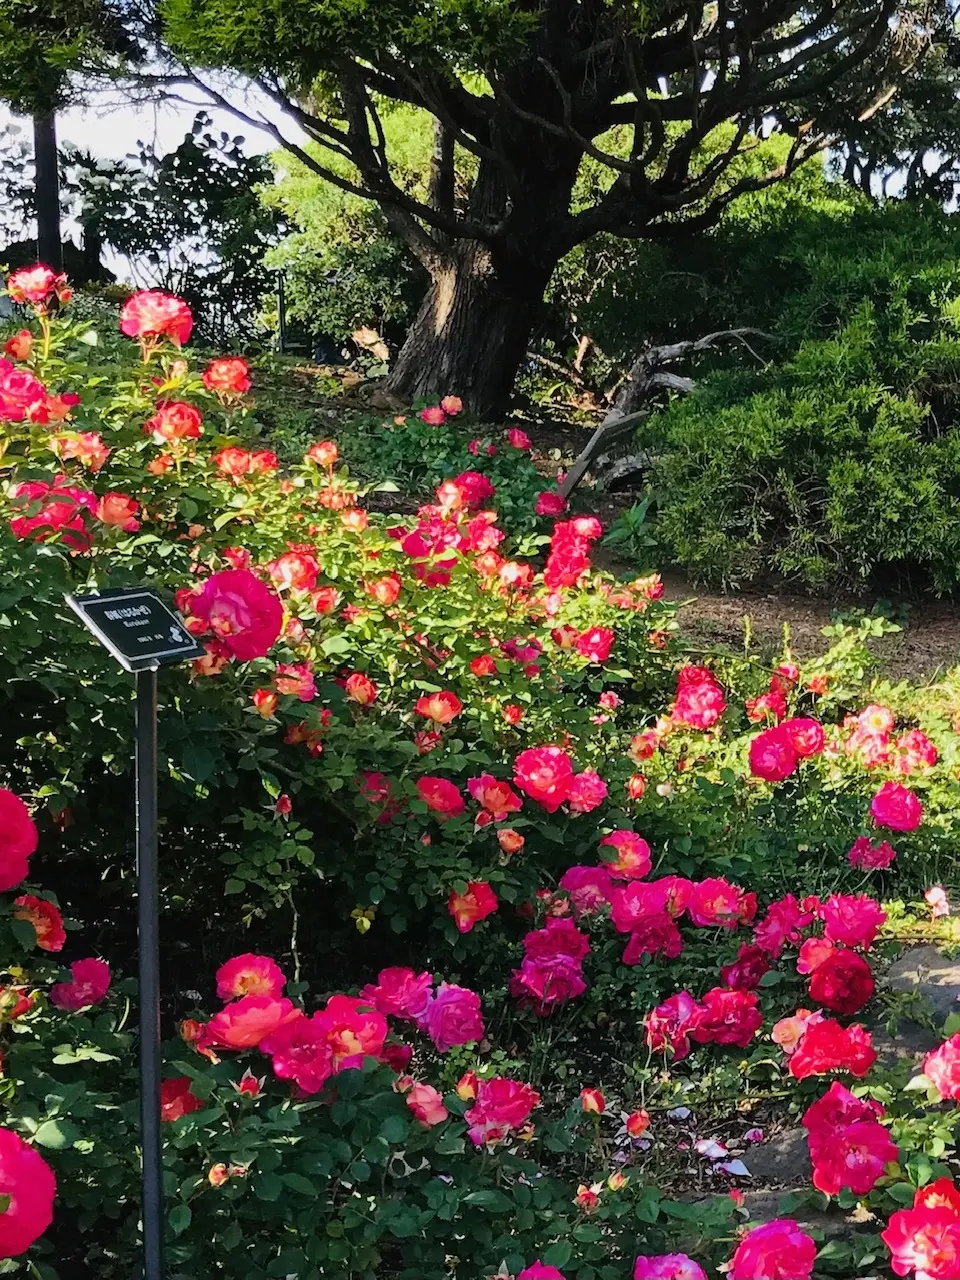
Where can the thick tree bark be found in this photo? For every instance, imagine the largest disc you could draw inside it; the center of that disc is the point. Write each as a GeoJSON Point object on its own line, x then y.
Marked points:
{"type": "Point", "coordinates": [47, 190]}
{"type": "Point", "coordinates": [471, 332]}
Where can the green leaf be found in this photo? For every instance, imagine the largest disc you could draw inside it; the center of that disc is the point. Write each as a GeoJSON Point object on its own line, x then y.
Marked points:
{"type": "Point", "coordinates": [57, 1134]}
{"type": "Point", "coordinates": [268, 1187]}
{"type": "Point", "coordinates": [491, 1201]}
{"type": "Point", "coordinates": [648, 1205]}
{"type": "Point", "coordinates": [395, 1129]}
{"type": "Point", "coordinates": [918, 1084]}
{"type": "Point", "coordinates": [558, 1255]}
{"type": "Point", "coordinates": [179, 1218]}
{"type": "Point", "coordinates": [902, 1192]}
{"type": "Point", "coordinates": [449, 1144]}
{"type": "Point", "coordinates": [24, 933]}
{"type": "Point", "coordinates": [234, 886]}
{"type": "Point", "coordinates": [297, 1182]}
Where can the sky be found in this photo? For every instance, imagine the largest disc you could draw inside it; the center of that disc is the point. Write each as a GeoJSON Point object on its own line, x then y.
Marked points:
{"type": "Point", "coordinates": [113, 131]}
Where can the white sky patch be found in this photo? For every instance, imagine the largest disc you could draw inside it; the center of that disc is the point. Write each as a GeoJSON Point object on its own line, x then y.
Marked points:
{"type": "Point", "coordinates": [112, 130]}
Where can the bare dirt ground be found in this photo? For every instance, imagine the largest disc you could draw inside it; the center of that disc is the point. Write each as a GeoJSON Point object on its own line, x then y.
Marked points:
{"type": "Point", "coordinates": [928, 645]}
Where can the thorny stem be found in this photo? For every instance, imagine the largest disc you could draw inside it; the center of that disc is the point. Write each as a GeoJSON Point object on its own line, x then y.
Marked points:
{"type": "Point", "coordinates": [45, 331]}
{"type": "Point", "coordinates": [293, 936]}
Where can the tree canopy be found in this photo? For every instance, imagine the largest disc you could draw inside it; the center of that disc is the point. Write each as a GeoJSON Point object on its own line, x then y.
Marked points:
{"type": "Point", "coordinates": [44, 41]}
{"type": "Point", "coordinates": [534, 90]}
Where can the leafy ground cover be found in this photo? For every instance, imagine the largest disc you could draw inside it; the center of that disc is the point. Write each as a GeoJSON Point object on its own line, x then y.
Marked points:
{"type": "Point", "coordinates": [503, 921]}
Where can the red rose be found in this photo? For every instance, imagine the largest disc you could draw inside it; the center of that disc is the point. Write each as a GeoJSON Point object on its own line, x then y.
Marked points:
{"type": "Point", "coordinates": [806, 735]}
{"type": "Point", "coordinates": [324, 453]}
{"type": "Point", "coordinates": [174, 420]}
{"type": "Point", "coordinates": [926, 1238]}
{"type": "Point", "coordinates": [21, 394]}
{"type": "Point", "coordinates": [440, 707]}
{"type": "Point", "coordinates": [942, 1068]}
{"type": "Point", "coordinates": [853, 920]}
{"type": "Point", "coordinates": [655, 934]}
{"type": "Point", "coordinates": [37, 286]}
{"type": "Point", "coordinates": [586, 792]}
{"type": "Point", "coordinates": [843, 982]}
{"type": "Point", "coordinates": [441, 797]}
{"type": "Point", "coordinates": [20, 346]}
{"type": "Point", "coordinates": [473, 905]}
{"type": "Point", "coordinates": [233, 461]}
{"type": "Point", "coordinates": [550, 503]}
{"type": "Point", "coordinates": [545, 774]}
{"type": "Point", "coordinates": [385, 590]}
{"type": "Point", "coordinates": [360, 688]}
{"type": "Point", "coordinates": [727, 1016]}
{"type": "Point", "coordinates": [45, 918]}
{"type": "Point", "coordinates": [57, 510]}
{"type": "Point", "coordinates": [176, 1099]}
{"type": "Point", "coordinates": [596, 644]}
{"type": "Point", "coordinates": [632, 860]}
{"type": "Point", "coordinates": [826, 1047]}
{"type": "Point", "coordinates": [699, 701]}
{"type": "Point", "coordinates": [670, 1024]}
{"type": "Point", "coordinates": [29, 1186]}
{"type": "Point", "coordinates": [18, 839]}
{"type": "Point", "coordinates": [498, 798]}
{"type": "Point", "coordinates": [838, 1108]}
{"type": "Point", "coordinates": [119, 509]}
{"type": "Point", "coordinates": [776, 1250]}
{"type": "Point", "coordinates": [751, 964]}
{"type": "Point", "coordinates": [295, 570]}
{"type": "Point", "coordinates": [546, 981]}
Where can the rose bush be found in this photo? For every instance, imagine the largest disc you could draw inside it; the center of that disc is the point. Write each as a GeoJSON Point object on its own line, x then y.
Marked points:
{"type": "Point", "coordinates": [489, 807]}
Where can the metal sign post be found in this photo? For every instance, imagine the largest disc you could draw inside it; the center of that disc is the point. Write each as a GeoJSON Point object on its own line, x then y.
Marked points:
{"type": "Point", "coordinates": [142, 633]}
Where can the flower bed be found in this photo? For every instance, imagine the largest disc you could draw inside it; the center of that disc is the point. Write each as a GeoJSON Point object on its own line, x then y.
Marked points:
{"type": "Point", "coordinates": [495, 881]}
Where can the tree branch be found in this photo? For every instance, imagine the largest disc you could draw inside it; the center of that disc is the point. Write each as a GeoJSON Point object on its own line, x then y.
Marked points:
{"type": "Point", "coordinates": [645, 377]}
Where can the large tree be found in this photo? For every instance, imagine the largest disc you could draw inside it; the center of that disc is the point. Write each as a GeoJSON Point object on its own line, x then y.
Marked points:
{"type": "Point", "coordinates": [531, 91]}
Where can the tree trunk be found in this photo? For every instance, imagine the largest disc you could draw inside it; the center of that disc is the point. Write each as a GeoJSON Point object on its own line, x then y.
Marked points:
{"type": "Point", "coordinates": [471, 332]}
{"type": "Point", "coordinates": [47, 189]}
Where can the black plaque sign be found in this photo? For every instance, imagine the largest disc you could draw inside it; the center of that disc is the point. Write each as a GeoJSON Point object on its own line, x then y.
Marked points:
{"type": "Point", "coordinates": [136, 627]}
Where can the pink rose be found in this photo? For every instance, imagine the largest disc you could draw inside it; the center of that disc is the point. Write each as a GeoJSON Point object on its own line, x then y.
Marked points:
{"type": "Point", "coordinates": [89, 984]}
{"type": "Point", "coordinates": [896, 807]}
{"type": "Point", "coordinates": [244, 614]}
{"type": "Point", "coordinates": [426, 1103]}
{"type": "Point", "coordinates": [777, 1250]}
{"type": "Point", "coordinates": [545, 774]}
{"type": "Point", "coordinates": [452, 1017]}
{"type": "Point", "coordinates": [668, 1266]}
{"type": "Point", "coordinates": [586, 792]}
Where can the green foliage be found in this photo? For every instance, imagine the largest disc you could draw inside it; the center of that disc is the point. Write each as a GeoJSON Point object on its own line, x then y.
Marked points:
{"type": "Point", "coordinates": [305, 39]}
{"type": "Point", "coordinates": [343, 267]}
{"type": "Point", "coordinates": [839, 460]}
{"type": "Point", "coordinates": [43, 41]}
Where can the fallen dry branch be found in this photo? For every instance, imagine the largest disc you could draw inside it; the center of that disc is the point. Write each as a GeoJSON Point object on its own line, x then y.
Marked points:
{"type": "Point", "coordinates": [647, 376]}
